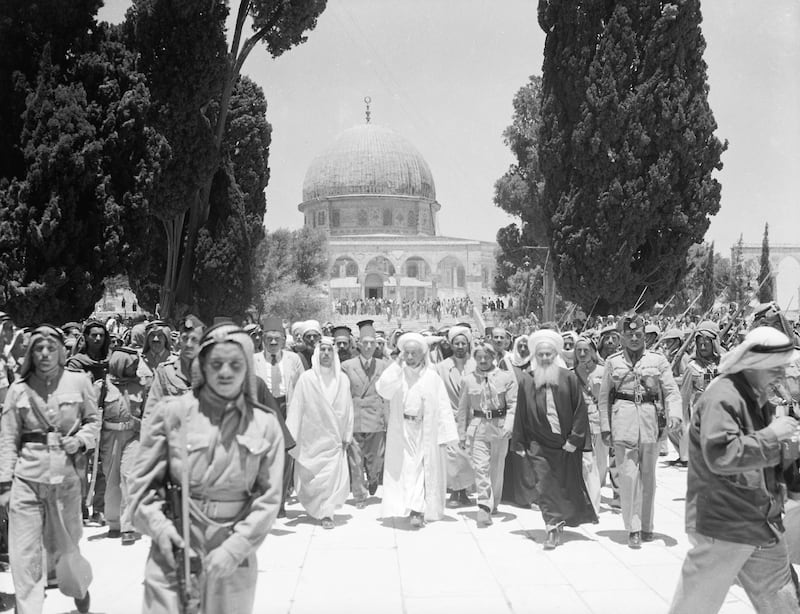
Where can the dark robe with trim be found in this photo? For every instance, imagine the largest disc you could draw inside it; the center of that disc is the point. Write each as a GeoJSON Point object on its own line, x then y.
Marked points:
{"type": "Point", "coordinates": [561, 492]}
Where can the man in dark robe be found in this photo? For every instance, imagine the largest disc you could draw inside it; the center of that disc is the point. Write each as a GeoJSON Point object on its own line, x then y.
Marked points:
{"type": "Point", "coordinates": [551, 426]}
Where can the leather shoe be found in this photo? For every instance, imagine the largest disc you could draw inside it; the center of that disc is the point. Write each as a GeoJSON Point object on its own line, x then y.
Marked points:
{"type": "Point", "coordinates": [113, 533]}
{"type": "Point", "coordinates": [97, 519]}
{"type": "Point", "coordinates": [82, 604]}
{"type": "Point", "coordinates": [484, 517]}
{"type": "Point", "coordinates": [551, 541]}
{"type": "Point", "coordinates": [647, 536]}
{"type": "Point", "coordinates": [416, 520]}
{"type": "Point", "coordinates": [634, 540]}
{"type": "Point", "coordinates": [327, 523]}
{"type": "Point", "coordinates": [130, 537]}
{"type": "Point", "coordinates": [282, 512]}
{"type": "Point", "coordinates": [372, 488]}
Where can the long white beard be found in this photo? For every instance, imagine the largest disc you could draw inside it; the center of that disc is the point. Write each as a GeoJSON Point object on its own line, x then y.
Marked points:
{"type": "Point", "coordinates": [545, 376]}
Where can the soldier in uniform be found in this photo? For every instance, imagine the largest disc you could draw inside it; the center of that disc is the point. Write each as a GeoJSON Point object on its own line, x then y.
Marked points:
{"type": "Point", "coordinates": [369, 417]}
{"type": "Point", "coordinates": [700, 370]}
{"type": "Point", "coordinates": [638, 399]}
{"type": "Point", "coordinates": [49, 417]}
{"type": "Point", "coordinates": [174, 377]}
{"type": "Point", "coordinates": [671, 343]}
{"type": "Point", "coordinates": [229, 450]}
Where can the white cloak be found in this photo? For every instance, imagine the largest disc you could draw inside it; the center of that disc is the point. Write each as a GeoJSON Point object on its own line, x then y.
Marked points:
{"type": "Point", "coordinates": [409, 468]}
{"type": "Point", "coordinates": [322, 431]}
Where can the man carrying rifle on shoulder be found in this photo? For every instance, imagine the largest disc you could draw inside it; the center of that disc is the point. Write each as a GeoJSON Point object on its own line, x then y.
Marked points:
{"type": "Point", "coordinates": [207, 484]}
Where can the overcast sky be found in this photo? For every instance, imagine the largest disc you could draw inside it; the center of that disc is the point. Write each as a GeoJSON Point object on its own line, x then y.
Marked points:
{"type": "Point", "coordinates": [443, 73]}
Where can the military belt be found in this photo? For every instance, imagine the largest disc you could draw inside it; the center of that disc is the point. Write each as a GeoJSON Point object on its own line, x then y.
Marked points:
{"type": "Point", "coordinates": [492, 413]}
{"type": "Point", "coordinates": [645, 398]}
{"type": "Point", "coordinates": [33, 438]}
{"type": "Point", "coordinates": [128, 425]}
{"type": "Point", "coordinates": [214, 508]}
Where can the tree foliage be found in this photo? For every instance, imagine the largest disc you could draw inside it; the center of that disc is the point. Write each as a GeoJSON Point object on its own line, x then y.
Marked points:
{"type": "Point", "coordinates": [77, 214]}
{"type": "Point", "coordinates": [626, 146]}
{"type": "Point", "coordinates": [518, 191]}
{"type": "Point", "coordinates": [186, 53]}
{"type": "Point", "coordinates": [766, 283]}
{"type": "Point", "coordinates": [293, 257]}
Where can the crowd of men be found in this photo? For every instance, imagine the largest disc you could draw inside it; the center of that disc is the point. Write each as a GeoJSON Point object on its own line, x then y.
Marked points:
{"type": "Point", "coordinates": [429, 309]}
{"type": "Point", "coordinates": [539, 420]}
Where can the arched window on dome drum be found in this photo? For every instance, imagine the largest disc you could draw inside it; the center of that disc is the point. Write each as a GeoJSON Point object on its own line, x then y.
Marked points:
{"type": "Point", "coordinates": [335, 218]}
{"type": "Point", "coordinates": [321, 218]}
{"type": "Point", "coordinates": [387, 217]}
{"type": "Point", "coordinates": [412, 218]}
{"type": "Point", "coordinates": [363, 220]}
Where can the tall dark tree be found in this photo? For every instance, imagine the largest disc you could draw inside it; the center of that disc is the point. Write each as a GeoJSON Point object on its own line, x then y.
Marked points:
{"type": "Point", "coordinates": [78, 212]}
{"type": "Point", "coordinates": [626, 146]}
{"type": "Point", "coordinates": [185, 51]}
{"type": "Point", "coordinates": [709, 292]}
{"type": "Point", "coordinates": [766, 283]}
{"type": "Point", "coordinates": [227, 244]}
{"type": "Point", "coordinates": [738, 283]}
{"type": "Point", "coordinates": [25, 29]}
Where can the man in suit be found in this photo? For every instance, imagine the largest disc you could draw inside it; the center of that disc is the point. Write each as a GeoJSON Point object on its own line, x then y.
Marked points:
{"type": "Point", "coordinates": [280, 370]}
{"type": "Point", "coordinates": [369, 423]}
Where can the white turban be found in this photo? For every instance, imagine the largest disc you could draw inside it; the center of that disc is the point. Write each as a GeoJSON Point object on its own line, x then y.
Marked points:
{"type": "Point", "coordinates": [762, 348]}
{"type": "Point", "coordinates": [407, 338]}
{"type": "Point", "coordinates": [545, 335]}
{"type": "Point", "coordinates": [311, 326]}
{"type": "Point", "coordinates": [455, 331]}
{"type": "Point", "coordinates": [550, 337]}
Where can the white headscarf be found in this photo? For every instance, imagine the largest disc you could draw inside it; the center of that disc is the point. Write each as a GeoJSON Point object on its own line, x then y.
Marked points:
{"type": "Point", "coordinates": [551, 337]}
{"type": "Point", "coordinates": [762, 348]}
{"type": "Point", "coordinates": [328, 377]}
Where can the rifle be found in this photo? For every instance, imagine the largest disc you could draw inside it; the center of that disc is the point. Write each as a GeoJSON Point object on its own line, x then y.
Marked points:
{"type": "Point", "coordinates": [671, 298]}
{"type": "Point", "coordinates": [639, 300]}
{"type": "Point", "coordinates": [589, 316]}
{"type": "Point", "coordinates": [723, 336]}
{"type": "Point", "coordinates": [679, 318]}
{"type": "Point", "coordinates": [187, 567]}
{"type": "Point", "coordinates": [679, 354]}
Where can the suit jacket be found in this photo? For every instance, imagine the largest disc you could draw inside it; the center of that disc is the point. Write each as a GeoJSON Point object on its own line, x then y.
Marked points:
{"type": "Point", "coordinates": [370, 409]}
{"type": "Point", "coordinates": [291, 370]}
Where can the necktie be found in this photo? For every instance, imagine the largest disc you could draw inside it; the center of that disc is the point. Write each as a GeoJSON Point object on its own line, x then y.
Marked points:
{"type": "Point", "coordinates": [275, 379]}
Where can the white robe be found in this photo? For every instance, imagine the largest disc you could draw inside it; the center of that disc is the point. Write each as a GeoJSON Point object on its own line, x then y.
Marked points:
{"type": "Point", "coordinates": [322, 430]}
{"type": "Point", "coordinates": [415, 467]}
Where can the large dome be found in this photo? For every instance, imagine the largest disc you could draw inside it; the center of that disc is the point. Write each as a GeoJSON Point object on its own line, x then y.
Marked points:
{"type": "Point", "coordinates": [369, 159]}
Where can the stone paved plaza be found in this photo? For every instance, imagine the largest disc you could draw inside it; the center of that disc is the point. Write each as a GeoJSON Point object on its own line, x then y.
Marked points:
{"type": "Point", "coordinates": [366, 565]}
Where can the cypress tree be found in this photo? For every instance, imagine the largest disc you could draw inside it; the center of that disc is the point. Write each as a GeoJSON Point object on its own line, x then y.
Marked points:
{"type": "Point", "coordinates": [766, 291]}
{"type": "Point", "coordinates": [626, 146]}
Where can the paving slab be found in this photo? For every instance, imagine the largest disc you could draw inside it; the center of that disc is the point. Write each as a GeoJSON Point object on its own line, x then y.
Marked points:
{"type": "Point", "coordinates": [367, 564]}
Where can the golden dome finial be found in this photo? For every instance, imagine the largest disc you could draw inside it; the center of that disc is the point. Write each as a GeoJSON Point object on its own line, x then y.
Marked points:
{"type": "Point", "coordinates": [367, 100]}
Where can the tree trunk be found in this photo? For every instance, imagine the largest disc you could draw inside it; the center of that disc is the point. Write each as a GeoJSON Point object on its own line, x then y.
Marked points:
{"type": "Point", "coordinates": [174, 230]}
